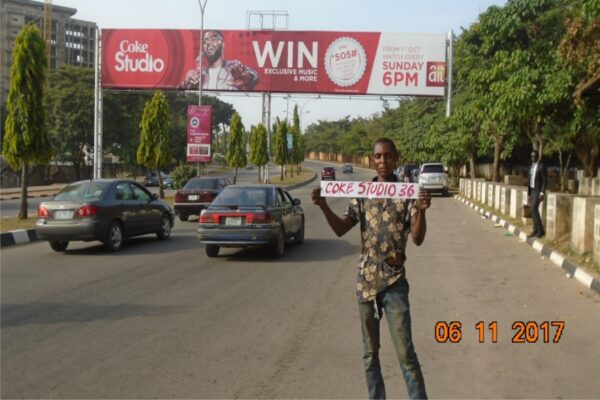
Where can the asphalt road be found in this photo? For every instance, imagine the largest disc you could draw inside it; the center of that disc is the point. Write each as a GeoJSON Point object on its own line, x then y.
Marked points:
{"type": "Point", "coordinates": [11, 207]}
{"type": "Point", "coordinates": [161, 320]}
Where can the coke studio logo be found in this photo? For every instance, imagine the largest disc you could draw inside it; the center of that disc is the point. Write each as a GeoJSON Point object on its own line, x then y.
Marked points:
{"type": "Point", "coordinates": [134, 56]}
{"type": "Point", "coordinates": [139, 58]}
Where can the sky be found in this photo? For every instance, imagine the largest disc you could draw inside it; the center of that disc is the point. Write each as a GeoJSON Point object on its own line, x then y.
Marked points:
{"type": "Point", "coordinates": [393, 16]}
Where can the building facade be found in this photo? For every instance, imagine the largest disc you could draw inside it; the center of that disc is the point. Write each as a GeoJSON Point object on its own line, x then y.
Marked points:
{"type": "Point", "coordinates": [72, 40]}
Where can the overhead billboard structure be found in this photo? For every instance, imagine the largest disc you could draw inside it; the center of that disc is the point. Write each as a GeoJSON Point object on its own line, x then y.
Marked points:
{"type": "Point", "coordinates": [322, 62]}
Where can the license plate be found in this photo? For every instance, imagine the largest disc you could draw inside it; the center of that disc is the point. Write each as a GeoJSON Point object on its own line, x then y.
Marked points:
{"type": "Point", "coordinates": [63, 214]}
{"type": "Point", "coordinates": [193, 197]}
{"type": "Point", "coordinates": [236, 221]}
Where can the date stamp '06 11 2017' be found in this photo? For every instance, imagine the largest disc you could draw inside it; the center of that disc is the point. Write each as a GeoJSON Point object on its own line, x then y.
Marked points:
{"type": "Point", "coordinates": [523, 332]}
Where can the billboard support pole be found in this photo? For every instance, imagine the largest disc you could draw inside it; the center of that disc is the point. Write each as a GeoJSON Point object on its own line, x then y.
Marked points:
{"type": "Point", "coordinates": [97, 165]}
{"type": "Point", "coordinates": [266, 120]}
{"type": "Point", "coordinates": [201, 44]}
{"type": "Point", "coordinates": [450, 58]}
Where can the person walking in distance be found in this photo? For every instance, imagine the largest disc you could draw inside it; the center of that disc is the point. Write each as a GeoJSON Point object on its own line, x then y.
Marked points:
{"type": "Point", "coordinates": [385, 225]}
{"type": "Point", "coordinates": [535, 192]}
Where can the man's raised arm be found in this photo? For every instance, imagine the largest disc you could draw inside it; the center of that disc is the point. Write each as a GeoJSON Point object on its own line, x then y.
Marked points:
{"type": "Point", "coordinates": [339, 225]}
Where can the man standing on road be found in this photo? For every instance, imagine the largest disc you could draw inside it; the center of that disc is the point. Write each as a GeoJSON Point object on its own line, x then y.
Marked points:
{"type": "Point", "coordinates": [384, 227]}
{"type": "Point", "coordinates": [535, 193]}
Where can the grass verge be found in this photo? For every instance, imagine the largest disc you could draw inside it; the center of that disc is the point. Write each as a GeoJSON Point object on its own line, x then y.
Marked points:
{"type": "Point", "coordinates": [291, 180]}
{"type": "Point", "coordinates": [13, 223]}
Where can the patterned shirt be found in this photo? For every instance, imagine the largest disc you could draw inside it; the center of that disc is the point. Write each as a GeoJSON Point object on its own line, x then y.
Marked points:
{"type": "Point", "coordinates": [383, 237]}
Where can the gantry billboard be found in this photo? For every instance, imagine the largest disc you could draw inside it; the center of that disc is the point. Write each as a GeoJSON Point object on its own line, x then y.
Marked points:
{"type": "Point", "coordinates": [275, 61]}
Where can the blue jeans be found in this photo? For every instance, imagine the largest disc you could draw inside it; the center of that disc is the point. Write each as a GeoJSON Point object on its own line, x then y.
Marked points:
{"type": "Point", "coordinates": [394, 300]}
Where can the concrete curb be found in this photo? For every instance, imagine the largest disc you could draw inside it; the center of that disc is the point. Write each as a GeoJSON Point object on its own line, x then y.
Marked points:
{"type": "Point", "coordinates": [22, 236]}
{"type": "Point", "coordinates": [29, 196]}
{"type": "Point", "coordinates": [572, 269]}
{"type": "Point", "coordinates": [32, 192]}
{"type": "Point", "coordinates": [19, 236]}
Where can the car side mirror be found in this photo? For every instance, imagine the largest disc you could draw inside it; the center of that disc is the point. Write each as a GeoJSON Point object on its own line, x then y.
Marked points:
{"type": "Point", "coordinates": [297, 202]}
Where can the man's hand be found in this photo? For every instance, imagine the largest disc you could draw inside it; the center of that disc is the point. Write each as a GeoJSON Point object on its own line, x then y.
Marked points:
{"type": "Point", "coordinates": [242, 78]}
{"type": "Point", "coordinates": [541, 197]}
{"type": "Point", "coordinates": [424, 200]}
{"type": "Point", "coordinates": [316, 197]}
{"type": "Point", "coordinates": [191, 79]}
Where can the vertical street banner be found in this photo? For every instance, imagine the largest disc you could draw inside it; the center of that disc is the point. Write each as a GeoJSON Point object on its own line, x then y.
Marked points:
{"type": "Point", "coordinates": [199, 134]}
{"type": "Point", "coordinates": [407, 64]}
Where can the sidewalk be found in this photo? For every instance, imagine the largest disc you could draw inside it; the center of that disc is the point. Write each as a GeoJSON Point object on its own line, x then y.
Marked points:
{"type": "Point", "coordinates": [571, 269]}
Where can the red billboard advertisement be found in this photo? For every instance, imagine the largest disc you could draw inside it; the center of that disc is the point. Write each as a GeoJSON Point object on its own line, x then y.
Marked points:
{"type": "Point", "coordinates": [199, 136]}
{"type": "Point", "coordinates": [275, 61]}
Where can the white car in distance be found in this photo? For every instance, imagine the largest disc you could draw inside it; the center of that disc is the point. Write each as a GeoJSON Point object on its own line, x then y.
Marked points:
{"type": "Point", "coordinates": [434, 178]}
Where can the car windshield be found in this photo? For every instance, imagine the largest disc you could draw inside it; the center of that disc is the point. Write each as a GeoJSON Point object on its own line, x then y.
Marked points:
{"type": "Point", "coordinates": [196, 184]}
{"type": "Point", "coordinates": [82, 191]}
{"type": "Point", "coordinates": [328, 169]}
{"type": "Point", "coordinates": [434, 168]}
{"type": "Point", "coordinates": [241, 197]}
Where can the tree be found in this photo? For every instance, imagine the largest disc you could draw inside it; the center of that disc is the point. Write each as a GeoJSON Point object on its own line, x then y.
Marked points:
{"type": "Point", "coordinates": [280, 150]}
{"type": "Point", "coordinates": [70, 102]}
{"type": "Point", "coordinates": [580, 48]}
{"type": "Point", "coordinates": [153, 151]}
{"type": "Point", "coordinates": [182, 174]}
{"type": "Point", "coordinates": [26, 140]}
{"type": "Point", "coordinates": [121, 134]}
{"type": "Point", "coordinates": [298, 149]}
{"type": "Point", "coordinates": [258, 148]}
{"type": "Point", "coordinates": [236, 152]}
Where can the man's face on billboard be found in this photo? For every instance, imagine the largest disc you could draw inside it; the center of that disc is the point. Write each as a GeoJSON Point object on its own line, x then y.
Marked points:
{"type": "Point", "coordinates": [212, 46]}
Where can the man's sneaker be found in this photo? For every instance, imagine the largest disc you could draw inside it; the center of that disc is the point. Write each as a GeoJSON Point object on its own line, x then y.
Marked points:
{"type": "Point", "coordinates": [532, 234]}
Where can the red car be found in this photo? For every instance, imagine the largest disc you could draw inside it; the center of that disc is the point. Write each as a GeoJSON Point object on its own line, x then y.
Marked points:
{"type": "Point", "coordinates": [196, 195]}
{"type": "Point", "coordinates": [328, 173]}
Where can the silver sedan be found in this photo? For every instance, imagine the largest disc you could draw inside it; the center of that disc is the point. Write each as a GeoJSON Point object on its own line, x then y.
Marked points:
{"type": "Point", "coordinates": [106, 210]}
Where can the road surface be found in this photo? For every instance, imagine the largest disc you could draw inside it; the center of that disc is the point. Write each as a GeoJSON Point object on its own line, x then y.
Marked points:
{"type": "Point", "coordinates": [161, 320]}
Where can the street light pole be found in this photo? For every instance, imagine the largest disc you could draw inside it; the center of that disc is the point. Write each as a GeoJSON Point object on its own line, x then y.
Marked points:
{"type": "Point", "coordinates": [202, 7]}
{"type": "Point", "coordinates": [301, 107]}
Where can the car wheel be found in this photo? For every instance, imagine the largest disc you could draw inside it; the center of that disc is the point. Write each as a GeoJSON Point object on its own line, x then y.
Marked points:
{"type": "Point", "coordinates": [445, 193]}
{"type": "Point", "coordinates": [165, 228]}
{"type": "Point", "coordinates": [278, 247]}
{"type": "Point", "coordinates": [114, 239]}
{"type": "Point", "coordinates": [59, 245]}
{"type": "Point", "coordinates": [299, 237]}
{"type": "Point", "coordinates": [183, 217]}
{"type": "Point", "coordinates": [212, 250]}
